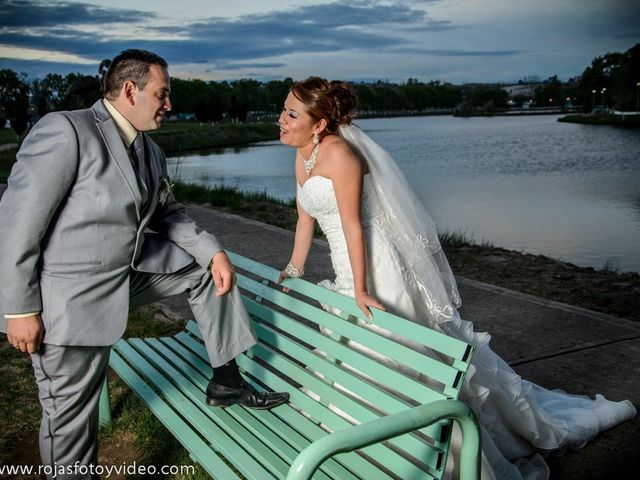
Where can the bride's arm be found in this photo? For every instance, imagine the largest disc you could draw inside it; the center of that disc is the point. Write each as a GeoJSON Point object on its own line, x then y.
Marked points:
{"type": "Point", "coordinates": [303, 239]}
{"type": "Point", "coordinates": [301, 245]}
{"type": "Point", "coordinates": [346, 174]}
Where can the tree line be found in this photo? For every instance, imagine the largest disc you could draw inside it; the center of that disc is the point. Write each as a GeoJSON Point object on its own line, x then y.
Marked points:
{"type": "Point", "coordinates": [610, 81]}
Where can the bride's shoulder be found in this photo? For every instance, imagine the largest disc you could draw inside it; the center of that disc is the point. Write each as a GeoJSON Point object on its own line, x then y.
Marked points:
{"type": "Point", "coordinates": [339, 160]}
{"type": "Point", "coordinates": [337, 149]}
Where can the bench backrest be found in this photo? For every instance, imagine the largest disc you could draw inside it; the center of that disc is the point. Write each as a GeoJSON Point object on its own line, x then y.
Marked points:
{"type": "Point", "coordinates": [342, 369]}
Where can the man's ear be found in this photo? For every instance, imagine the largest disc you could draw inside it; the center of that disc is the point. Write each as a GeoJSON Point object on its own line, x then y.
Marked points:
{"type": "Point", "coordinates": [129, 89]}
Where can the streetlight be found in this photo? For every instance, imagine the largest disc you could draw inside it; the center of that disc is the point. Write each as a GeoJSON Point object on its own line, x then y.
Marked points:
{"type": "Point", "coordinates": [593, 100]}
{"type": "Point", "coordinates": [603, 92]}
{"type": "Point", "coordinates": [637, 97]}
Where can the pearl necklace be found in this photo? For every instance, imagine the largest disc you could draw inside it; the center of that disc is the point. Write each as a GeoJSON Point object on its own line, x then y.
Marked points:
{"type": "Point", "coordinates": [311, 162]}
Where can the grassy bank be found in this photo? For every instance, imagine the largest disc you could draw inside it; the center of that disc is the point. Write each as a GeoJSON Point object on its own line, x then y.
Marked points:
{"type": "Point", "coordinates": [175, 139]}
{"type": "Point", "coordinates": [7, 135]}
{"type": "Point", "coordinates": [7, 159]}
{"type": "Point", "coordinates": [178, 138]}
{"type": "Point", "coordinates": [603, 119]}
{"type": "Point", "coordinates": [259, 206]}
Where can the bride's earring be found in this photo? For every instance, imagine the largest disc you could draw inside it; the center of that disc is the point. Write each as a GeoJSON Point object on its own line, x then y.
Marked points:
{"type": "Point", "coordinates": [311, 162]}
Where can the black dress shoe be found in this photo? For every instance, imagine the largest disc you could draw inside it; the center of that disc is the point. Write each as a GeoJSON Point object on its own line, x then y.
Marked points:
{"type": "Point", "coordinates": [221, 396]}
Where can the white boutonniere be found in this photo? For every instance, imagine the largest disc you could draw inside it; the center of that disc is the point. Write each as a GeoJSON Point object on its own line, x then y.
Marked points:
{"type": "Point", "coordinates": [166, 190]}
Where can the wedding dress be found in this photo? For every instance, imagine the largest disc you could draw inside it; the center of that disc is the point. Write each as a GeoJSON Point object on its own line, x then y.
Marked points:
{"type": "Point", "coordinates": [408, 273]}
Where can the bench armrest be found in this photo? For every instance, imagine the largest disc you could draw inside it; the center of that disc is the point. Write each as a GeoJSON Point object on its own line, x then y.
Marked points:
{"type": "Point", "coordinates": [385, 428]}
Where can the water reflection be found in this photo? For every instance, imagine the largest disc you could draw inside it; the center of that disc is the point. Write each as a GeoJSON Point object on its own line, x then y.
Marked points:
{"type": "Point", "coordinates": [527, 183]}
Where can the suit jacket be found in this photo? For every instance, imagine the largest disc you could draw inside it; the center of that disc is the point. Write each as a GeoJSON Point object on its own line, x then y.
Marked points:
{"type": "Point", "coordinates": [72, 227]}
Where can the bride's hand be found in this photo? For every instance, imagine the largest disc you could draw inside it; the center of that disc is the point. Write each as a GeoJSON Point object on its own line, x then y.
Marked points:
{"type": "Point", "coordinates": [364, 301]}
{"type": "Point", "coordinates": [282, 276]}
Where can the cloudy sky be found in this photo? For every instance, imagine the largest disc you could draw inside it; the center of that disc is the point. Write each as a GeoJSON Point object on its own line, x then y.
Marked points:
{"type": "Point", "coordinates": [450, 40]}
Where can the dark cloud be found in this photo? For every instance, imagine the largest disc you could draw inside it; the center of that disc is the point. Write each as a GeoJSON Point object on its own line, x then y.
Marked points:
{"type": "Point", "coordinates": [319, 28]}
{"type": "Point", "coordinates": [75, 43]}
{"type": "Point", "coordinates": [635, 35]}
{"type": "Point", "coordinates": [40, 68]}
{"type": "Point", "coordinates": [461, 53]}
{"type": "Point", "coordinates": [240, 65]}
{"type": "Point", "coordinates": [361, 25]}
{"type": "Point", "coordinates": [30, 13]}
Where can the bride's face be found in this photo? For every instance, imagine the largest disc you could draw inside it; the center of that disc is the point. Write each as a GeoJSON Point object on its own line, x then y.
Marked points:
{"type": "Point", "coordinates": [296, 126]}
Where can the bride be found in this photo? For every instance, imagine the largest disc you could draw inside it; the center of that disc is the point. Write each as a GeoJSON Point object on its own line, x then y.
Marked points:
{"type": "Point", "coordinates": [386, 254]}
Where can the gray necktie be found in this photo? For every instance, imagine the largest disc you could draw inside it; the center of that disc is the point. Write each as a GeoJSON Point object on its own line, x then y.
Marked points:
{"type": "Point", "coordinates": [139, 165]}
{"type": "Point", "coordinates": [137, 152]}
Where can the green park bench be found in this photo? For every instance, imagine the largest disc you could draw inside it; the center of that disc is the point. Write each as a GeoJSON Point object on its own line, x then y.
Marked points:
{"type": "Point", "coordinates": [351, 414]}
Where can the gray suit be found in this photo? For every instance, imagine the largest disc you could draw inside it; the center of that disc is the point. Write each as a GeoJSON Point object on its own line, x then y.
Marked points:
{"type": "Point", "coordinates": [80, 234]}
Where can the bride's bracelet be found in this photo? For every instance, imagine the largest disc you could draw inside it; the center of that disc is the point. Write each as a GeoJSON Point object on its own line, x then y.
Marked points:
{"type": "Point", "coordinates": [292, 271]}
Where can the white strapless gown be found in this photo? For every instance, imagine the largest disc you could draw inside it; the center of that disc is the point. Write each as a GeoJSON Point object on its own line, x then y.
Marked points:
{"type": "Point", "coordinates": [518, 418]}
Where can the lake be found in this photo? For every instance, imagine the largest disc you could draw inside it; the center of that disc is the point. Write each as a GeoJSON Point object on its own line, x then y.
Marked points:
{"type": "Point", "coordinates": [527, 183]}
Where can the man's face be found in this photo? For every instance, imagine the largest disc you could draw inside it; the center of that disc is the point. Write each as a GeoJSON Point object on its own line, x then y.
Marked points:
{"type": "Point", "coordinates": [152, 102]}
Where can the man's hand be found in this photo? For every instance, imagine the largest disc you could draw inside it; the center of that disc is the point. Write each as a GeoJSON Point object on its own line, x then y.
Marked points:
{"type": "Point", "coordinates": [224, 275]}
{"type": "Point", "coordinates": [25, 333]}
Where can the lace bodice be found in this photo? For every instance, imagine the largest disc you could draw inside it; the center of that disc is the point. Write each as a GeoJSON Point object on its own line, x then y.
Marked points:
{"type": "Point", "coordinates": [317, 197]}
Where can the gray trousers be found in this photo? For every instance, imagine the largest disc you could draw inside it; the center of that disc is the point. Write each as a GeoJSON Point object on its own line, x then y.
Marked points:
{"type": "Point", "coordinates": [70, 378]}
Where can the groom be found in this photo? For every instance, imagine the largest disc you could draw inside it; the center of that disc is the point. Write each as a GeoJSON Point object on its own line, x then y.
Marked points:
{"type": "Point", "coordinates": [88, 228]}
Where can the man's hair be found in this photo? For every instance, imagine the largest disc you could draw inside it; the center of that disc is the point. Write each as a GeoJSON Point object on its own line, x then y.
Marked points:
{"type": "Point", "coordinates": [133, 65]}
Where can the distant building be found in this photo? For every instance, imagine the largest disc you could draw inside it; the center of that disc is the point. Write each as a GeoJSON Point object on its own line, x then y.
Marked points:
{"type": "Point", "coordinates": [521, 94]}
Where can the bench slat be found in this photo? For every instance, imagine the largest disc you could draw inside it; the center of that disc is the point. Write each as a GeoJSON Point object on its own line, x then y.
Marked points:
{"type": "Point", "coordinates": [435, 340]}
{"type": "Point", "coordinates": [343, 378]}
{"type": "Point", "coordinates": [354, 462]}
{"type": "Point", "coordinates": [403, 355]}
{"type": "Point", "coordinates": [287, 417]}
{"type": "Point", "coordinates": [228, 421]}
{"type": "Point", "coordinates": [325, 416]}
{"type": "Point", "coordinates": [199, 449]}
{"type": "Point", "coordinates": [331, 399]}
{"type": "Point", "coordinates": [297, 397]}
{"type": "Point", "coordinates": [393, 379]}
{"type": "Point", "coordinates": [195, 366]}
{"type": "Point", "coordinates": [234, 417]}
{"type": "Point", "coordinates": [227, 444]}
{"type": "Point", "coordinates": [334, 371]}
{"type": "Point", "coordinates": [429, 455]}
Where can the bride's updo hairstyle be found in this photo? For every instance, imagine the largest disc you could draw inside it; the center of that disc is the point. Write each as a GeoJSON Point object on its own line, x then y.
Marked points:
{"type": "Point", "coordinates": [333, 101]}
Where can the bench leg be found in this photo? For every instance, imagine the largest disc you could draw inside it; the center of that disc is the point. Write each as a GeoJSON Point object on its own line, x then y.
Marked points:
{"type": "Point", "coordinates": [105, 406]}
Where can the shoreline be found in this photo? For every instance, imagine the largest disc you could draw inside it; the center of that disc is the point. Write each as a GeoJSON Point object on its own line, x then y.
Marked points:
{"type": "Point", "coordinates": [515, 113]}
{"type": "Point", "coordinates": [629, 121]}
